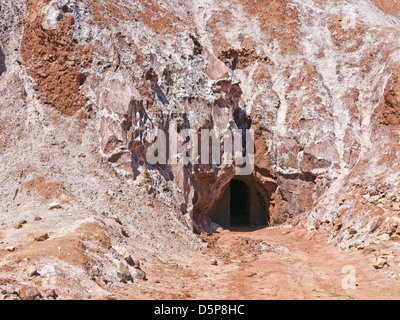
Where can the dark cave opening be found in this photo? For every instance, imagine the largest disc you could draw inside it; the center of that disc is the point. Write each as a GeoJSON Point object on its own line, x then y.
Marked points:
{"type": "Point", "coordinates": [243, 203]}
{"type": "Point", "coordinates": [239, 210]}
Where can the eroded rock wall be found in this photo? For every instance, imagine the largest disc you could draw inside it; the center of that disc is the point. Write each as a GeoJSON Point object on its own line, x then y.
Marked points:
{"type": "Point", "coordinates": [315, 80]}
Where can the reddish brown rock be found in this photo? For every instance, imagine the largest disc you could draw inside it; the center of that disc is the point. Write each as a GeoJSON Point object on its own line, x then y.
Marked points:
{"type": "Point", "coordinates": [29, 293]}
{"type": "Point", "coordinates": [390, 6]}
{"type": "Point", "coordinates": [41, 236]}
{"type": "Point", "coordinates": [48, 51]}
{"type": "Point", "coordinates": [352, 231]}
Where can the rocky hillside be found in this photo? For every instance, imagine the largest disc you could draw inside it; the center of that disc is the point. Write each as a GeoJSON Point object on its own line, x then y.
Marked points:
{"type": "Point", "coordinates": [83, 83]}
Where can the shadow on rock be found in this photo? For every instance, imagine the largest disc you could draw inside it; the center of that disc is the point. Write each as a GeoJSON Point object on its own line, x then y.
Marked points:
{"type": "Point", "coordinates": [2, 62]}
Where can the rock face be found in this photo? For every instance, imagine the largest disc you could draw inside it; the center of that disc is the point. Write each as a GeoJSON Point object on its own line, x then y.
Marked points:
{"type": "Point", "coordinates": [390, 6]}
{"type": "Point", "coordinates": [317, 82]}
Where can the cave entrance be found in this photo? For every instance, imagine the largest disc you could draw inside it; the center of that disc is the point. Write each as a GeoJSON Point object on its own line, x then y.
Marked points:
{"type": "Point", "coordinates": [239, 203]}
{"type": "Point", "coordinates": [244, 202]}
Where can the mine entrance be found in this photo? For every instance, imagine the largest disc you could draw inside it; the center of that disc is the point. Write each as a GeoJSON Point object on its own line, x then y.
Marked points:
{"type": "Point", "coordinates": [244, 202]}
{"type": "Point", "coordinates": [239, 207]}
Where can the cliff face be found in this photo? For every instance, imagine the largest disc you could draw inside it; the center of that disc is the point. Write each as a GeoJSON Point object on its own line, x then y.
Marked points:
{"type": "Point", "coordinates": [313, 79]}
{"type": "Point", "coordinates": [316, 80]}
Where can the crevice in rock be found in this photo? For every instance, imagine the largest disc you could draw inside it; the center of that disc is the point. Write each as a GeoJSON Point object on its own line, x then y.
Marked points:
{"type": "Point", "coordinates": [167, 76]}
{"type": "Point", "coordinates": [303, 176]}
{"type": "Point", "coordinates": [152, 76]}
{"type": "Point", "coordinates": [2, 62]}
{"type": "Point", "coordinates": [198, 48]}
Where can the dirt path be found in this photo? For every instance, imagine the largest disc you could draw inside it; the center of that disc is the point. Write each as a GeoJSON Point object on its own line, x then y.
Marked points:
{"type": "Point", "coordinates": [282, 263]}
{"type": "Point", "coordinates": [303, 267]}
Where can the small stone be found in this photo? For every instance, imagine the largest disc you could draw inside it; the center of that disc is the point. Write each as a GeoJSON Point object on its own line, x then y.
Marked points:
{"type": "Point", "coordinates": [38, 218]}
{"type": "Point", "coordinates": [383, 200]}
{"type": "Point", "coordinates": [124, 269]}
{"type": "Point", "coordinates": [50, 294]}
{"type": "Point", "coordinates": [379, 263]}
{"type": "Point", "coordinates": [123, 273]}
{"type": "Point", "coordinates": [352, 231]}
{"type": "Point", "coordinates": [30, 271]}
{"type": "Point", "coordinates": [395, 221]}
{"type": "Point", "coordinates": [82, 155]}
{"type": "Point", "coordinates": [393, 225]}
{"type": "Point", "coordinates": [110, 193]}
{"type": "Point", "coordinates": [374, 199]}
{"type": "Point", "coordinates": [136, 264]}
{"type": "Point", "coordinates": [140, 274]}
{"type": "Point", "coordinates": [127, 257]}
{"type": "Point", "coordinates": [10, 249]}
{"type": "Point", "coordinates": [365, 185]}
{"type": "Point", "coordinates": [337, 225]}
{"type": "Point", "coordinates": [374, 226]}
{"type": "Point", "coordinates": [23, 222]}
{"type": "Point", "coordinates": [29, 294]}
{"type": "Point", "coordinates": [214, 262]}
{"type": "Point", "coordinates": [337, 222]}
{"type": "Point", "coordinates": [17, 226]}
{"type": "Point", "coordinates": [295, 222]}
{"type": "Point", "coordinates": [54, 205]}
{"type": "Point", "coordinates": [42, 236]}
{"type": "Point", "coordinates": [125, 254]}
{"type": "Point", "coordinates": [396, 206]}
{"type": "Point", "coordinates": [348, 237]}
{"type": "Point", "coordinates": [395, 237]}
{"type": "Point", "coordinates": [386, 253]}
{"type": "Point", "coordinates": [383, 237]}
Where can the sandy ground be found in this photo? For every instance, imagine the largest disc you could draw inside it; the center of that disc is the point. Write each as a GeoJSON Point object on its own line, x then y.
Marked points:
{"type": "Point", "coordinates": [278, 263]}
